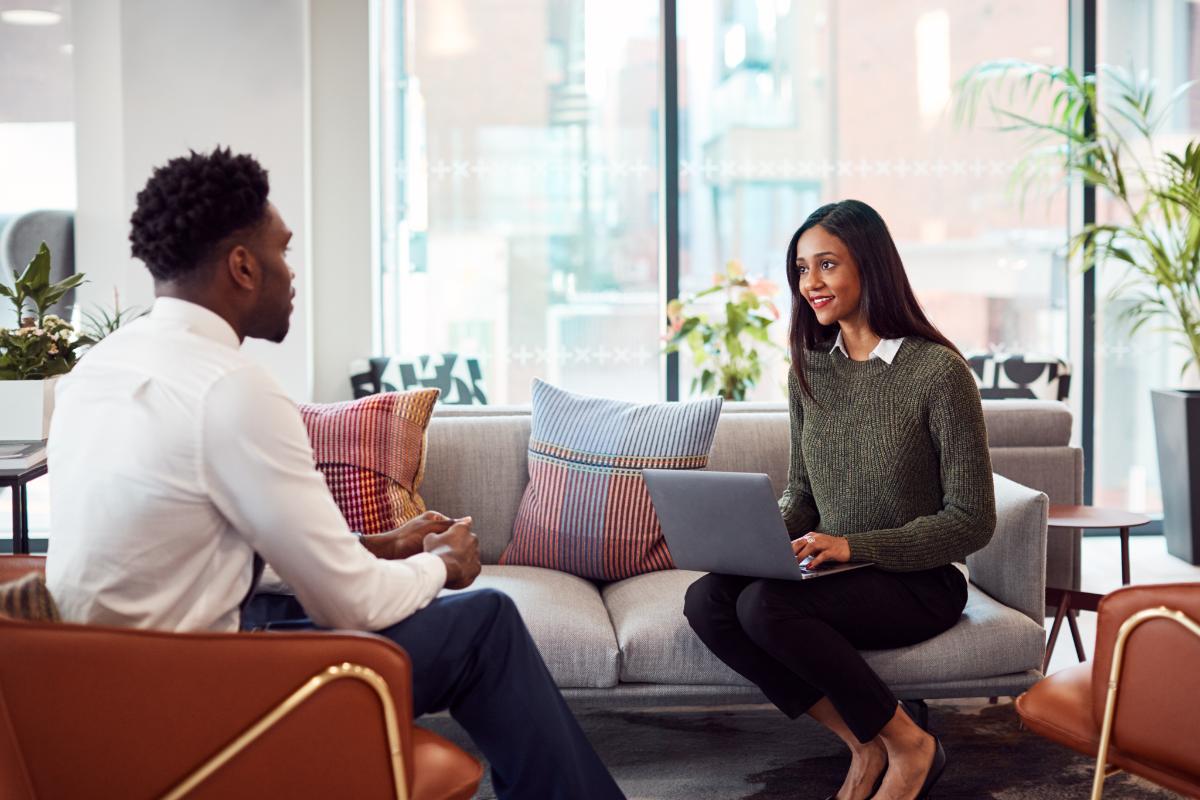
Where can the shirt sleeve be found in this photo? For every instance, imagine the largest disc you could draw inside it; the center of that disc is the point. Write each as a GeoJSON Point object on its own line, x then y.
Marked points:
{"type": "Point", "coordinates": [259, 470]}
{"type": "Point", "coordinates": [796, 504]}
{"type": "Point", "coordinates": [967, 519]}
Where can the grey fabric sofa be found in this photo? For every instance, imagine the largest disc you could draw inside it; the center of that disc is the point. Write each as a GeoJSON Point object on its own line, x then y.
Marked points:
{"type": "Point", "coordinates": [629, 642]}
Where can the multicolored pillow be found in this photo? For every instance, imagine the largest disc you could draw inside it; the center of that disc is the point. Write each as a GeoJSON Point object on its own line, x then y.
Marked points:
{"type": "Point", "coordinates": [372, 453]}
{"type": "Point", "coordinates": [586, 510]}
{"type": "Point", "coordinates": [28, 598]}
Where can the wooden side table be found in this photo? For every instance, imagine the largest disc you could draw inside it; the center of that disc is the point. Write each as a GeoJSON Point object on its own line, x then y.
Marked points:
{"type": "Point", "coordinates": [17, 479]}
{"type": "Point", "coordinates": [1066, 600]}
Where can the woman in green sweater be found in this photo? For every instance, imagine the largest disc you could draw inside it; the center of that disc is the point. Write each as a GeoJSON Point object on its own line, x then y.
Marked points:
{"type": "Point", "coordinates": [889, 465]}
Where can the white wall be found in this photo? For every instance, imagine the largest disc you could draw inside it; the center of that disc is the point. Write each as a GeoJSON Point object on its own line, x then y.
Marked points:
{"type": "Point", "coordinates": [157, 77]}
{"type": "Point", "coordinates": [341, 193]}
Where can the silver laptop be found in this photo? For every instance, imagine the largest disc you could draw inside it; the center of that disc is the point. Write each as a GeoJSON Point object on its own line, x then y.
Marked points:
{"type": "Point", "coordinates": [727, 522]}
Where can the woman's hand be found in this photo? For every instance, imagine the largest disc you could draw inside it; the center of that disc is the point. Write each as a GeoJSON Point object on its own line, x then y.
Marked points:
{"type": "Point", "coordinates": [822, 547]}
{"type": "Point", "coordinates": [409, 538]}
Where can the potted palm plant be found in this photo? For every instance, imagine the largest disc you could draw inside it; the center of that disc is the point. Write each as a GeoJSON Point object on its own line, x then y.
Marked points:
{"type": "Point", "coordinates": [33, 354]}
{"type": "Point", "coordinates": [1108, 139]}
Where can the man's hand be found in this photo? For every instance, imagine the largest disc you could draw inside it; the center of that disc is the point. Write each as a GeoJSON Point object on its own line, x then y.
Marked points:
{"type": "Point", "coordinates": [409, 538]}
{"type": "Point", "coordinates": [459, 549]}
{"type": "Point", "coordinates": [822, 547]}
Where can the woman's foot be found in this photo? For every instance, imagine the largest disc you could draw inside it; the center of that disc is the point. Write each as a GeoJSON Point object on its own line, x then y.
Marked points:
{"type": "Point", "coordinates": [911, 759]}
{"type": "Point", "coordinates": [867, 765]}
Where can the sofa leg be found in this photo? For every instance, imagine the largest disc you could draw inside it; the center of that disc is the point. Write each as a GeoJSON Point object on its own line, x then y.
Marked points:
{"type": "Point", "coordinates": [918, 710]}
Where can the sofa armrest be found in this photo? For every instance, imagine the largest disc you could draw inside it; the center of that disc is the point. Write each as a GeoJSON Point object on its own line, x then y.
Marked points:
{"type": "Point", "coordinates": [108, 712]}
{"type": "Point", "coordinates": [1012, 568]}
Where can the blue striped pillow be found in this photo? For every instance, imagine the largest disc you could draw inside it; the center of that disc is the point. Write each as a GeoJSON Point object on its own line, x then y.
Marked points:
{"type": "Point", "coordinates": [586, 510]}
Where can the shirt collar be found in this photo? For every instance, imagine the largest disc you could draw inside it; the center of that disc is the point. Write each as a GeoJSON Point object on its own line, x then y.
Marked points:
{"type": "Point", "coordinates": [195, 318]}
{"type": "Point", "coordinates": [885, 350]}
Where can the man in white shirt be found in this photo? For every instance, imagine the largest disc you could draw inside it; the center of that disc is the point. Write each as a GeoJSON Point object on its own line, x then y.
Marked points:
{"type": "Point", "coordinates": [179, 464]}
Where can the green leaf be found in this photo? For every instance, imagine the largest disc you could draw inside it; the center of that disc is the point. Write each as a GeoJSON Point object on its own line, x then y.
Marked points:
{"type": "Point", "coordinates": [37, 272]}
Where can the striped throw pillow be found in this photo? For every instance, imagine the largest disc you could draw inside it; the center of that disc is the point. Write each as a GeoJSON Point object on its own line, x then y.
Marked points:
{"type": "Point", "coordinates": [372, 453]}
{"type": "Point", "coordinates": [586, 509]}
{"type": "Point", "coordinates": [28, 598]}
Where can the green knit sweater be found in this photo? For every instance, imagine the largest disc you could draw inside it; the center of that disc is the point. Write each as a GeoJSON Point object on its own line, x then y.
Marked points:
{"type": "Point", "coordinates": [894, 457]}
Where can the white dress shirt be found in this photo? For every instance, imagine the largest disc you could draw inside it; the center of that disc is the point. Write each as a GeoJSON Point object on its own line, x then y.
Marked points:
{"type": "Point", "coordinates": [886, 349]}
{"type": "Point", "coordinates": [173, 459]}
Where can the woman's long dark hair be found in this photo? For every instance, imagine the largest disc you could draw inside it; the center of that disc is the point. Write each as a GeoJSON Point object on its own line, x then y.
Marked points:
{"type": "Point", "coordinates": [888, 304]}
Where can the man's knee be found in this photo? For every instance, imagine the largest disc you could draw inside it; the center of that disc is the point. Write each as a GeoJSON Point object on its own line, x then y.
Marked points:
{"type": "Point", "coordinates": [491, 603]}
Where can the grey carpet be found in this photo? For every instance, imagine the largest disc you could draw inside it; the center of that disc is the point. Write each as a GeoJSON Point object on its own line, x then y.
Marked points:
{"type": "Point", "coordinates": [755, 753]}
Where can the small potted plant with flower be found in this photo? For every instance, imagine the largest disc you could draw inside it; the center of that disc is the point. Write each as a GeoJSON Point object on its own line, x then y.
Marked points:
{"type": "Point", "coordinates": [725, 348]}
{"type": "Point", "coordinates": [33, 354]}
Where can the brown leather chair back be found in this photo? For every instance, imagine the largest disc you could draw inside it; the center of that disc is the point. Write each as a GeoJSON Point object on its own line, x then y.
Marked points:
{"type": "Point", "coordinates": [1158, 702]}
{"type": "Point", "coordinates": [101, 712]}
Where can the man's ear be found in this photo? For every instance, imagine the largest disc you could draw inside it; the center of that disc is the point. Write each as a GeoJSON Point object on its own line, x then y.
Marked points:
{"type": "Point", "coordinates": [242, 267]}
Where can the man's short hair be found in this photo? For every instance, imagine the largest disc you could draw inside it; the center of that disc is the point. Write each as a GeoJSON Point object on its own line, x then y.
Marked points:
{"type": "Point", "coordinates": [190, 205]}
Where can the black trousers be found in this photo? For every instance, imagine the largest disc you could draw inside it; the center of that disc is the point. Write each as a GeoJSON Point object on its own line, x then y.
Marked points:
{"type": "Point", "coordinates": [799, 640]}
{"type": "Point", "coordinates": [472, 654]}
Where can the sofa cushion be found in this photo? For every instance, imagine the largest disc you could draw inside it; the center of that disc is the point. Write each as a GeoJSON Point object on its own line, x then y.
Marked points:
{"type": "Point", "coordinates": [372, 453]}
{"type": "Point", "coordinates": [567, 620]}
{"type": "Point", "coordinates": [658, 645]}
{"type": "Point", "coordinates": [586, 510]}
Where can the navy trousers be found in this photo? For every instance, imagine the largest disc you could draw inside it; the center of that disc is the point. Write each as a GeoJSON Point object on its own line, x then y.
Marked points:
{"type": "Point", "coordinates": [471, 654]}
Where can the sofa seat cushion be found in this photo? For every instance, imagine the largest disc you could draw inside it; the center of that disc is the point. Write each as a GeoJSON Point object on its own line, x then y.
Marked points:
{"type": "Point", "coordinates": [990, 639]}
{"type": "Point", "coordinates": [658, 645]}
{"type": "Point", "coordinates": [566, 618]}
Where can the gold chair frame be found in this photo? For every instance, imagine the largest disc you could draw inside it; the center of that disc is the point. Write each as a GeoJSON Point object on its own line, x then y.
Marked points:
{"type": "Point", "coordinates": [291, 703]}
{"type": "Point", "coordinates": [1114, 680]}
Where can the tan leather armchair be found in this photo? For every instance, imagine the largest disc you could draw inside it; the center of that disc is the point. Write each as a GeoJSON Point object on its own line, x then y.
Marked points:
{"type": "Point", "coordinates": [87, 711]}
{"type": "Point", "coordinates": [1138, 701]}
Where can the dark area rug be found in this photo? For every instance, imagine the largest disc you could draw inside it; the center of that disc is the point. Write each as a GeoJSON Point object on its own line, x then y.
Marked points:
{"type": "Point", "coordinates": [755, 753]}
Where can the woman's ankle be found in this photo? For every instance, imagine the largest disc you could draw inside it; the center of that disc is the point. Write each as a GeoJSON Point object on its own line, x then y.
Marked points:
{"type": "Point", "coordinates": [902, 735]}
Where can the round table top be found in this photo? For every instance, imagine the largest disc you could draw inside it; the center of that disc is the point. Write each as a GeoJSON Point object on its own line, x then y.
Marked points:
{"type": "Point", "coordinates": [1093, 517]}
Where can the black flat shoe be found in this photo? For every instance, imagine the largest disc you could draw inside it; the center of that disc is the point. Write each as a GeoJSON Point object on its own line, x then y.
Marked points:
{"type": "Point", "coordinates": [935, 769]}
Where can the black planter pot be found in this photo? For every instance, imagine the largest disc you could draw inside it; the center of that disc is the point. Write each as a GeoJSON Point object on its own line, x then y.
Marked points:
{"type": "Point", "coordinates": [1177, 428]}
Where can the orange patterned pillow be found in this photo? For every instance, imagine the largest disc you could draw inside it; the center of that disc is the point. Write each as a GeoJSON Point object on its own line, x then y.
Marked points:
{"type": "Point", "coordinates": [372, 453]}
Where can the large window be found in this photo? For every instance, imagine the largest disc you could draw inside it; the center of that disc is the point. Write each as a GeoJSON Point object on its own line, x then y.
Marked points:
{"type": "Point", "coordinates": [787, 105]}
{"type": "Point", "coordinates": [519, 190]}
{"type": "Point", "coordinates": [1161, 37]}
{"type": "Point", "coordinates": [520, 185]}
